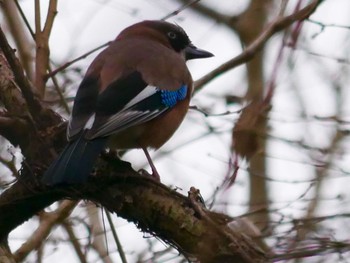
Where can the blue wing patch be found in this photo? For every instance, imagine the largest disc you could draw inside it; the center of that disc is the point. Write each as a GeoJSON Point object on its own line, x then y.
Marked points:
{"type": "Point", "coordinates": [146, 105]}
{"type": "Point", "coordinates": [171, 97]}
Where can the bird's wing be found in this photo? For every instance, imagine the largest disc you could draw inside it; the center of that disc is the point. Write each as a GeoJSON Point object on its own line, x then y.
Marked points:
{"type": "Point", "coordinates": [128, 102]}
{"type": "Point", "coordinates": [84, 106]}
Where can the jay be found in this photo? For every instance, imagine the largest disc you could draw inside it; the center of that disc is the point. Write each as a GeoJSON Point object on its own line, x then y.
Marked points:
{"type": "Point", "coordinates": [135, 94]}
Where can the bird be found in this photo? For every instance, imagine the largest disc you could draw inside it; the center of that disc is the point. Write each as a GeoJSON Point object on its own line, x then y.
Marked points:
{"type": "Point", "coordinates": [135, 94]}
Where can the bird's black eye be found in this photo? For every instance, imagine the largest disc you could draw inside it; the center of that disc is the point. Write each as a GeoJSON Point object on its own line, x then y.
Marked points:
{"type": "Point", "coordinates": [172, 35]}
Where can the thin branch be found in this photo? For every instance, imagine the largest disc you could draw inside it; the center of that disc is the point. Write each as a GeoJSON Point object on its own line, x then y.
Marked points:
{"type": "Point", "coordinates": [182, 8]}
{"type": "Point", "coordinates": [116, 238]}
{"type": "Point", "coordinates": [42, 44]}
{"type": "Point", "coordinates": [325, 25]}
{"type": "Point", "coordinates": [47, 26]}
{"type": "Point", "coordinates": [37, 17]}
{"type": "Point", "coordinates": [48, 221]}
{"type": "Point", "coordinates": [291, 37]}
{"type": "Point", "coordinates": [257, 45]}
{"type": "Point", "coordinates": [66, 65]}
{"type": "Point", "coordinates": [74, 240]}
{"type": "Point", "coordinates": [59, 92]}
{"type": "Point", "coordinates": [25, 19]}
{"type": "Point", "coordinates": [210, 12]}
{"type": "Point", "coordinates": [52, 12]}
{"type": "Point", "coordinates": [41, 58]}
{"type": "Point", "coordinates": [5, 254]}
{"type": "Point", "coordinates": [51, 73]}
{"type": "Point", "coordinates": [325, 247]}
{"type": "Point", "coordinates": [97, 233]}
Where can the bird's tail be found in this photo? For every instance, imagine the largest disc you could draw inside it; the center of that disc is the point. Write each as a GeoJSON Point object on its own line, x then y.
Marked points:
{"type": "Point", "coordinates": [75, 162]}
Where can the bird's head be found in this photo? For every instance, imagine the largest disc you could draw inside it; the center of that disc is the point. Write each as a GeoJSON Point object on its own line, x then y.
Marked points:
{"type": "Point", "coordinates": [171, 35]}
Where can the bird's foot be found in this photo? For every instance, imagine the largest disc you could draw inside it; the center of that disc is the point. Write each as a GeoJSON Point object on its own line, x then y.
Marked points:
{"type": "Point", "coordinates": [153, 176]}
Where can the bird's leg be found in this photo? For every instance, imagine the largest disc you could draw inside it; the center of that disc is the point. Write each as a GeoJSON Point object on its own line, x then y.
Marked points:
{"type": "Point", "coordinates": [155, 173]}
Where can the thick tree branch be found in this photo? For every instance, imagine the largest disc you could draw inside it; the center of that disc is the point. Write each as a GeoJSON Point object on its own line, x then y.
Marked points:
{"type": "Point", "coordinates": [22, 81]}
{"type": "Point", "coordinates": [13, 129]}
{"type": "Point", "coordinates": [25, 122]}
{"type": "Point", "coordinates": [193, 230]}
{"type": "Point", "coordinates": [14, 122]}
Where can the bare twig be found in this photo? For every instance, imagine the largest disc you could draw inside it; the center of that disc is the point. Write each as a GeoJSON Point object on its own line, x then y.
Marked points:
{"type": "Point", "coordinates": [54, 80]}
{"type": "Point", "coordinates": [325, 247]}
{"type": "Point", "coordinates": [182, 8]}
{"type": "Point", "coordinates": [42, 44]}
{"type": "Point", "coordinates": [24, 19]}
{"type": "Point", "coordinates": [75, 242]}
{"type": "Point", "coordinates": [44, 229]}
{"type": "Point", "coordinates": [293, 36]}
{"type": "Point", "coordinates": [66, 65]}
{"type": "Point", "coordinates": [276, 26]}
{"type": "Point", "coordinates": [97, 233]}
{"type": "Point", "coordinates": [210, 12]}
{"type": "Point", "coordinates": [116, 238]}
{"type": "Point", "coordinates": [59, 92]}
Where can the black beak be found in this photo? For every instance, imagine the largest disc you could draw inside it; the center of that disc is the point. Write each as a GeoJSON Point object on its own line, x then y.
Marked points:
{"type": "Point", "coordinates": [192, 52]}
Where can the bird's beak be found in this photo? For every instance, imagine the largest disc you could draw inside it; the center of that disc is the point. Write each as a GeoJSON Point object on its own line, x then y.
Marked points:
{"type": "Point", "coordinates": [192, 52]}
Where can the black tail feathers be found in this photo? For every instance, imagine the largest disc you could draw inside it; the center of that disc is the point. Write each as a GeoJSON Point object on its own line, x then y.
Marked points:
{"type": "Point", "coordinates": [75, 162]}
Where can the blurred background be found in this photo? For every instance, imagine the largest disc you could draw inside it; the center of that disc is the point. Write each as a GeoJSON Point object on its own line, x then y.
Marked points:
{"type": "Point", "coordinates": [267, 141]}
